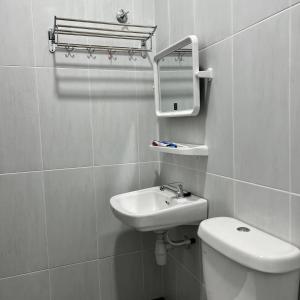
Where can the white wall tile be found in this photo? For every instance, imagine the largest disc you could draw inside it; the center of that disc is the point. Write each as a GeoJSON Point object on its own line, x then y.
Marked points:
{"type": "Point", "coordinates": [189, 130]}
{"type": "Point", "coordinates": [153, 283]}
{"type": "Point", "coordinates": [261, 103]}
{"type": "Point", "coordinates": [16, 33]}
{"type": "Point", "coordinates": [71, 216]}
{"type": "Point", "coordinates": [263, 208]}
{"type": "Point", "coordinates": [20, 146]}
{"type": "Point", "coordinates": [218, 108]}
{"type": "Point", "coordinates": [188, 286]}
{"type": "Point", "coordinates": [198, 163]}
{"type": "Point", "coordinates": [248, 12]}
{"type": "Point", "coordinates": [75, 282]}
{"type": "Point", "coordinates": [143, 12]}
{"type": "Point", "coordinates": [181, 19]}
{"type": "Point", "coordinates": [147, 120]}
{"type": "Point", "coordinates": [212, 20]}
{"type": "Point", "coordinates": [34, 286]}
{"type": "Point", "coordinates": [219, 194]}
{"type": "Point", "coordinates": [149, 174]}
{"type": "Point", "coordinates": [170, 278]}
{"type": "Point", "coordinates": [22, 224]}
{"type": "Point", "coordinates": [121, 277]}
{"type": "Point", "coordinates": [295, 103]}
{"type": "Point", "coordinates": [114, 117]}
{"type": "Point", "coordinates": [65, 117]}
{"type": "Point", "coordinates": [162, 22]}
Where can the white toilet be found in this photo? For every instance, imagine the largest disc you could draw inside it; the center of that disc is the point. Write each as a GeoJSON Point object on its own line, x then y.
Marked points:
{"type": "Point", "coordinates": [241, 262]}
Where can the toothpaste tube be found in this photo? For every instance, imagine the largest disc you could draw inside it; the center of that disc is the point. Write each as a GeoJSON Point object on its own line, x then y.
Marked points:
{"type": "Point", "coordinates": [164, 144]}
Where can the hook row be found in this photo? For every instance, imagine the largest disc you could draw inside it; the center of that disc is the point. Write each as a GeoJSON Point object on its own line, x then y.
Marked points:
{"type": "Point", "coordinates": [91, 53]}
{"type": "Point", "coordinates": [178, 58]}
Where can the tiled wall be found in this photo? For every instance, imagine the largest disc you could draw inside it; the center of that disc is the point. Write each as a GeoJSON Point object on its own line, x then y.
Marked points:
{"type": "Point", "coordinates": [249, 120]}
{"type": "Point", "coordinates": [73, 132]}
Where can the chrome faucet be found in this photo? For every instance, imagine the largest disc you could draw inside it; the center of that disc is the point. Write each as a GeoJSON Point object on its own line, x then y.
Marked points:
{"type": "Point", "coordinates": [177, 188]}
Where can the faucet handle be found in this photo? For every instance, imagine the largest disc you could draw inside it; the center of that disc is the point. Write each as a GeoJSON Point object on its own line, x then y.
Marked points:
{"type": "Point", "coordinates": [180, 192]}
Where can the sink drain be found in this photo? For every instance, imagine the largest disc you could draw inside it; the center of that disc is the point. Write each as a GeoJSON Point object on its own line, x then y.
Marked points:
{"type": "Point", "coordinates": [243, 229]}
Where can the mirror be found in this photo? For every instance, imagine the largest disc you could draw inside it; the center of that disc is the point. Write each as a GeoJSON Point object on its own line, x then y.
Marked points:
{"type": "Point", "coordinates": [176, 84]}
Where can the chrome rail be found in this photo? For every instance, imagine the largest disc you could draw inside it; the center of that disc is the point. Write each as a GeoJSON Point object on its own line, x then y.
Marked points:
{"type": "Point", "coordinates": [101, 30]}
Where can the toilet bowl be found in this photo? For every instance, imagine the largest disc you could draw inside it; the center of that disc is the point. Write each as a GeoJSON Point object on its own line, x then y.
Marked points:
{"type": "Point", "coordinates": [241, 262]}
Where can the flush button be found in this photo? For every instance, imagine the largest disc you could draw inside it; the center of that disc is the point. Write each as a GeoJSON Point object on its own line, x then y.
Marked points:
{"type": "Point", "coordinates": [243, 229]}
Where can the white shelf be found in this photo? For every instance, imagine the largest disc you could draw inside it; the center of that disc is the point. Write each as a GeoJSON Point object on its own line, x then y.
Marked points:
{"type": "Point", "coordinates": [188, 149]}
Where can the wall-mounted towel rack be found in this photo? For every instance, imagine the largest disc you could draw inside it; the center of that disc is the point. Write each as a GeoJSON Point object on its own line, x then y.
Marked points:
{"type": "Point", "coordinates": [99, 31]}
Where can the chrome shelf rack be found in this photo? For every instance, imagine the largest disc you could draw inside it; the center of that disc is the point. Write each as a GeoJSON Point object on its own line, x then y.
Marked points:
{"type": "Point", "coordinates": [64, 28]}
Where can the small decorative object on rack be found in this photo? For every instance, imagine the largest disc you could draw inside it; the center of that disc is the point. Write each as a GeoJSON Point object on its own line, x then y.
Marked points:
{"type": "Point", "coordinates": [122, 16]}
{"type": "Point", "coordinates": [102, 32]}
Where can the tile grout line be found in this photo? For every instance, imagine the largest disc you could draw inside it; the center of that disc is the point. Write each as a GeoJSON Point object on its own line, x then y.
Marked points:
{"type": "Point", "coordinates": [93, 161]}
{"type": "Point", "coordinates": [71, 265]}
{"type": "Point", "coordinates": [75, 168]}
{"type": "Point", "coordinates": [23, 274]}
{"type": "Point", "coordinates": [104, 69]}
{"type": "Point", "coordinates": [250, 26]}
{"type": "Point", "coordinates": [290, 123]}
{"type": "Point", "coordinates": [169, 21]}
{"type": "Point", "coordinates": [185, 268]}
{"type": "Point", "coordinates": [41, 150]}
{"type": "Point", "coordinates": [230, 178]}
{"type": "Point", "coordinates": [99, 280]}
{"type": "Point", "coordinates": [139, 165]}
{"type": "Point", "coordinates": [233, 136]}
{"type": "Point", "coordinates": [41, 172]}
{"type": "Point", "coordinates": [139, 154]}
{"type": "Point", "coordinates": [143, 273]}
{"type": "Point", "coordinates": [232, 113]}
{"type": "Point", "coordinates": [137, 127]}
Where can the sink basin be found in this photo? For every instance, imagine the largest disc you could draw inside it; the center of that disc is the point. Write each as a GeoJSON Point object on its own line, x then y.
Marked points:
{"type": "Point", "coordinates": [154, 210]}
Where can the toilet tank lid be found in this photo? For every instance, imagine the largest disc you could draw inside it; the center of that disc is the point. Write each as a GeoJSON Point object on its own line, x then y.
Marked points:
{"type": "Point", "coordinates": [249, 246]}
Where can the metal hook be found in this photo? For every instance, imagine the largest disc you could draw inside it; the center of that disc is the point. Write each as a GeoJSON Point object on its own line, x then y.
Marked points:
{"type": "Point", "coordinates": [69, 51]}
{"type": "Point", "coordinates": [91, 51]}
{"type": "Point", "coordinates": [131, 55]}
{"type": "Point", "coordinates": [179, 57]}
{"type": "Point", "coordinates": [111, 55]}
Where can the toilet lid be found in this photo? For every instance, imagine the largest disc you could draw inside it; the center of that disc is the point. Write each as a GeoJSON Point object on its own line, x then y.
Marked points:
{"type": "Point", "coordinates": [249, 246]}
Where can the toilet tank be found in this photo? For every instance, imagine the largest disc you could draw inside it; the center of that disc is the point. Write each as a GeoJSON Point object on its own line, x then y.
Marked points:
{"type": "Point", "coordinates": [241, 262]}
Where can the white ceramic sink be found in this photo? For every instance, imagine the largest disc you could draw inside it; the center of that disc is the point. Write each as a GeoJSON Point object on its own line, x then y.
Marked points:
{"type": "Point", "coordinates": [152, 209]}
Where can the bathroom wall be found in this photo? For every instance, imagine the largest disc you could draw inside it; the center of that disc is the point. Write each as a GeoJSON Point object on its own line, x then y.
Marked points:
{"type": "Point", "coordinates": [73, 132]}
{"type": "Point", "coordinates": [249, 120]}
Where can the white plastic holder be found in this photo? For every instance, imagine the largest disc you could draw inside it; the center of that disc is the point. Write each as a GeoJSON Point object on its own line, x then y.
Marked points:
{"type": "Point", "coordinates": [207, 74]}
{"type": "Point", "coordinates": [187, 149]}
